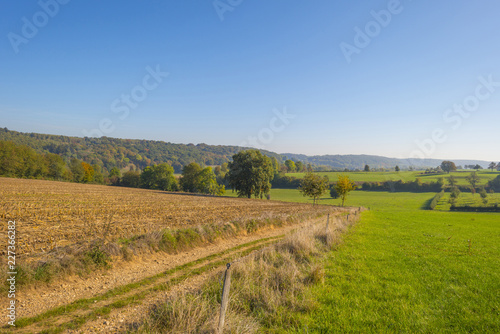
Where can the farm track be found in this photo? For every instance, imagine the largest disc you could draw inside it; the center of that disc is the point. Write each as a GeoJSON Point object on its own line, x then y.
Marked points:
{"type": "Point", "coordinates": [125, 305]}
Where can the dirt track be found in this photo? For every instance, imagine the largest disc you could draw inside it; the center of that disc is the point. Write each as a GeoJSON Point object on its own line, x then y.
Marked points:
{"type": "Point", "coordinates": [38, 300]}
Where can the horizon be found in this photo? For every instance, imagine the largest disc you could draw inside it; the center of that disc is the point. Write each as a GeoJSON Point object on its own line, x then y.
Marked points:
{"type": "Point", "coordinates": [283, 153]}
{"type": "Point", "coordinates": [321, 79]}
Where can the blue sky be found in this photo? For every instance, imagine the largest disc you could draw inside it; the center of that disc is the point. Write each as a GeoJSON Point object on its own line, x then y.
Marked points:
{"type": "Point", "coordinates": [69, 68]}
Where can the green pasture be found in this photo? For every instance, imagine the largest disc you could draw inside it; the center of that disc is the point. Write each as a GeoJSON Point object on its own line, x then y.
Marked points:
{"type": "Point", "coordinates": [468, 199]}
{"type": "Point", "coordinates": [484, 175]}
{"type": "Point", "coordinates": [404, 269]}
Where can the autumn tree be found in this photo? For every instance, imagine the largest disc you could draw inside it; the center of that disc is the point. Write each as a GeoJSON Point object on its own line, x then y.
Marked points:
{"type": "Point", "coordinates": [313, 185]}
{"type": "Point", "coordinates": [344, 186]}
{"type": "Point", "coordinates": [290, 166]}
{"type": "Point", "coordinates": [250, 174]}
{"type": "Point", "coordinates": [448, 166]}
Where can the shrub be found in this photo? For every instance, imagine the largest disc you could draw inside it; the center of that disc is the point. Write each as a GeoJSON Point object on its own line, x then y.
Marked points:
{"type": "Point", "coordinates": [435, 200]}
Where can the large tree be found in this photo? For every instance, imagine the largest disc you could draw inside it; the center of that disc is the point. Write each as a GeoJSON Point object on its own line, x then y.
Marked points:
{"type": "Point", "coordinates": [189, 180]}
{"type": "Point", "coordinates": [492, 166]}
{"type": "Point", "coordinates": [250, 174]}
{"type": "Point", "coordinates": [344, 187]}
{"type": "Point", "coordinates": [448, 166]}
{"type": "Point", "coordinates": [313, 185]}
{"type": "Point", "coordinates": [367, 168]}
{"type": "Point", "coordinates": [160, 177]}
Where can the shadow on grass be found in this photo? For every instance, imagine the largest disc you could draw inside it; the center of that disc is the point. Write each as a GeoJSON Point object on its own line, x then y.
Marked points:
{"type": "Point", "coordinates": [427, 204]}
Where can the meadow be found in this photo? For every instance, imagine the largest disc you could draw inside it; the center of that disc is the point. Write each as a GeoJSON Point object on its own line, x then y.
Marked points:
{"type": "Point", "coordinates": [468, 199]}
{"type": "Point", "coordinates": [405, 269]}
{"type": "Point", "coordinates": [460, 175]}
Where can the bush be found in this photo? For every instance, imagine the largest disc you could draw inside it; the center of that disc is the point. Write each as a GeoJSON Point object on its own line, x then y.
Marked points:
{"type": "Point", "coordinates": [435, 200]}
{"type": "Point", "coordinates": [333, 192]}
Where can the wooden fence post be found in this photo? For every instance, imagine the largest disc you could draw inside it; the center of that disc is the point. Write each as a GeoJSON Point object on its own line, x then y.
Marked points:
{"type": "Point", "coordinates": [225, 298]}
{"type": "Point", "coordinates": [327, 223]}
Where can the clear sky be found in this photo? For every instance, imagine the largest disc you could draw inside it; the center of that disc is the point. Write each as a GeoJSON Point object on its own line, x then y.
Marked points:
{"type": "Point", "coordinates": [392, 78]}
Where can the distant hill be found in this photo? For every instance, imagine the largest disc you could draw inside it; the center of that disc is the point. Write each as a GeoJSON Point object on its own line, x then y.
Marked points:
{"type": "Point", "coordinates": [110, 152]}
{"type": "Point", "coordinates": [374, 161]}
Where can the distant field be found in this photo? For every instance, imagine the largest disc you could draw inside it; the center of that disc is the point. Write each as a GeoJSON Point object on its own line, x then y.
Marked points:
{"type": "Point", "coordinates": [468, 199]}
{"type": "Point", "coordinates": [484, 175]}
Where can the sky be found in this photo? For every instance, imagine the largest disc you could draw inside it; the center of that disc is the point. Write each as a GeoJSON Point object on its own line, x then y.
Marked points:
{"type": "Point", "coordinates": [392, 78]}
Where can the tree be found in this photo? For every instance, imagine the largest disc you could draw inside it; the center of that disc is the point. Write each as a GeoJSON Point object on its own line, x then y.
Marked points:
{"type": "Point", "coordinates": [452, 181]}
{"type": "Point", "coordinates": [115, 171]}
{"type": "Point", "coordinates": [276, 165]}
{"type": "Point", "coordinates": [300, 166]}
{"type": "Point", "coordinates": [313, 185]}
{"type": "Point", "coordinates": [397, 169]}
{"type": "Point", "coordinates": [290, 166]}
{"type": "Point", "coordinates": [367, 168]}
{"type": "Point", "coordinates": [484, 196]}
{"type": "Point", "coordinates": [492, 166]}
{"type": "Point", "coordinates": [98, 177]}
{"type": "Point", "coordinates": [189, 181]}
{"type": "Point", "coordinates": [448, 166]}
{"type": "Point", "coordinates": [455, 193]}
{"type": "Point", "coordinates": [473, 179]}
{"type": "Point", "coordinates": [77, 170]}
{"type": "Point", "coordinates": [131, 179]}
{"type": "Point", "coordinates": [344, 187]}
{"type": "Point", "coordinates": [250, 174]}
{"type": "Point", "coordinates": [477, 167]}
{"type": "Point", "coordinates": [207, 183]}
{"type": "Point", "coordinates": [160, 177]}
{"type": "Point", "coordinates": [56, 166]}
{"type": "Point", "coordinates": [333, 192]}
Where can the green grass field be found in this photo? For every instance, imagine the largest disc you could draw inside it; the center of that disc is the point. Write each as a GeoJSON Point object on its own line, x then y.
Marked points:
{"type": "Point", "coordinates": [468, 199]}
{"type": "Point", "coordinates": [484, 175]}
{"type": "Point", "coordinates": [403, 269]}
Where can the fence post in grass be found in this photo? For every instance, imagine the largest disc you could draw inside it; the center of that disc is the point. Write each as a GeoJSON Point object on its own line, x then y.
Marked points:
{"type": "Point", "coordinates": [225, 298]}
{"type": "Point", "coordinates": [327, 223]}
{"type": "Point", "coordinates": [327, 236]}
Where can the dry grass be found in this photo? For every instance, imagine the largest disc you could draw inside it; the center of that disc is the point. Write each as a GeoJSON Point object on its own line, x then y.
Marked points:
{"type": "Point", "coordinates": [52, 214]}
{"type": "Point", "coordinates": [267, 288]}
{"type": "Point", "coordinates": [68, 228]}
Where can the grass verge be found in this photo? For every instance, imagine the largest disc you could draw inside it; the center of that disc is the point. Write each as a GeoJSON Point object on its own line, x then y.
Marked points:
{"type": "Point", "coordinates": [267, 289]}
